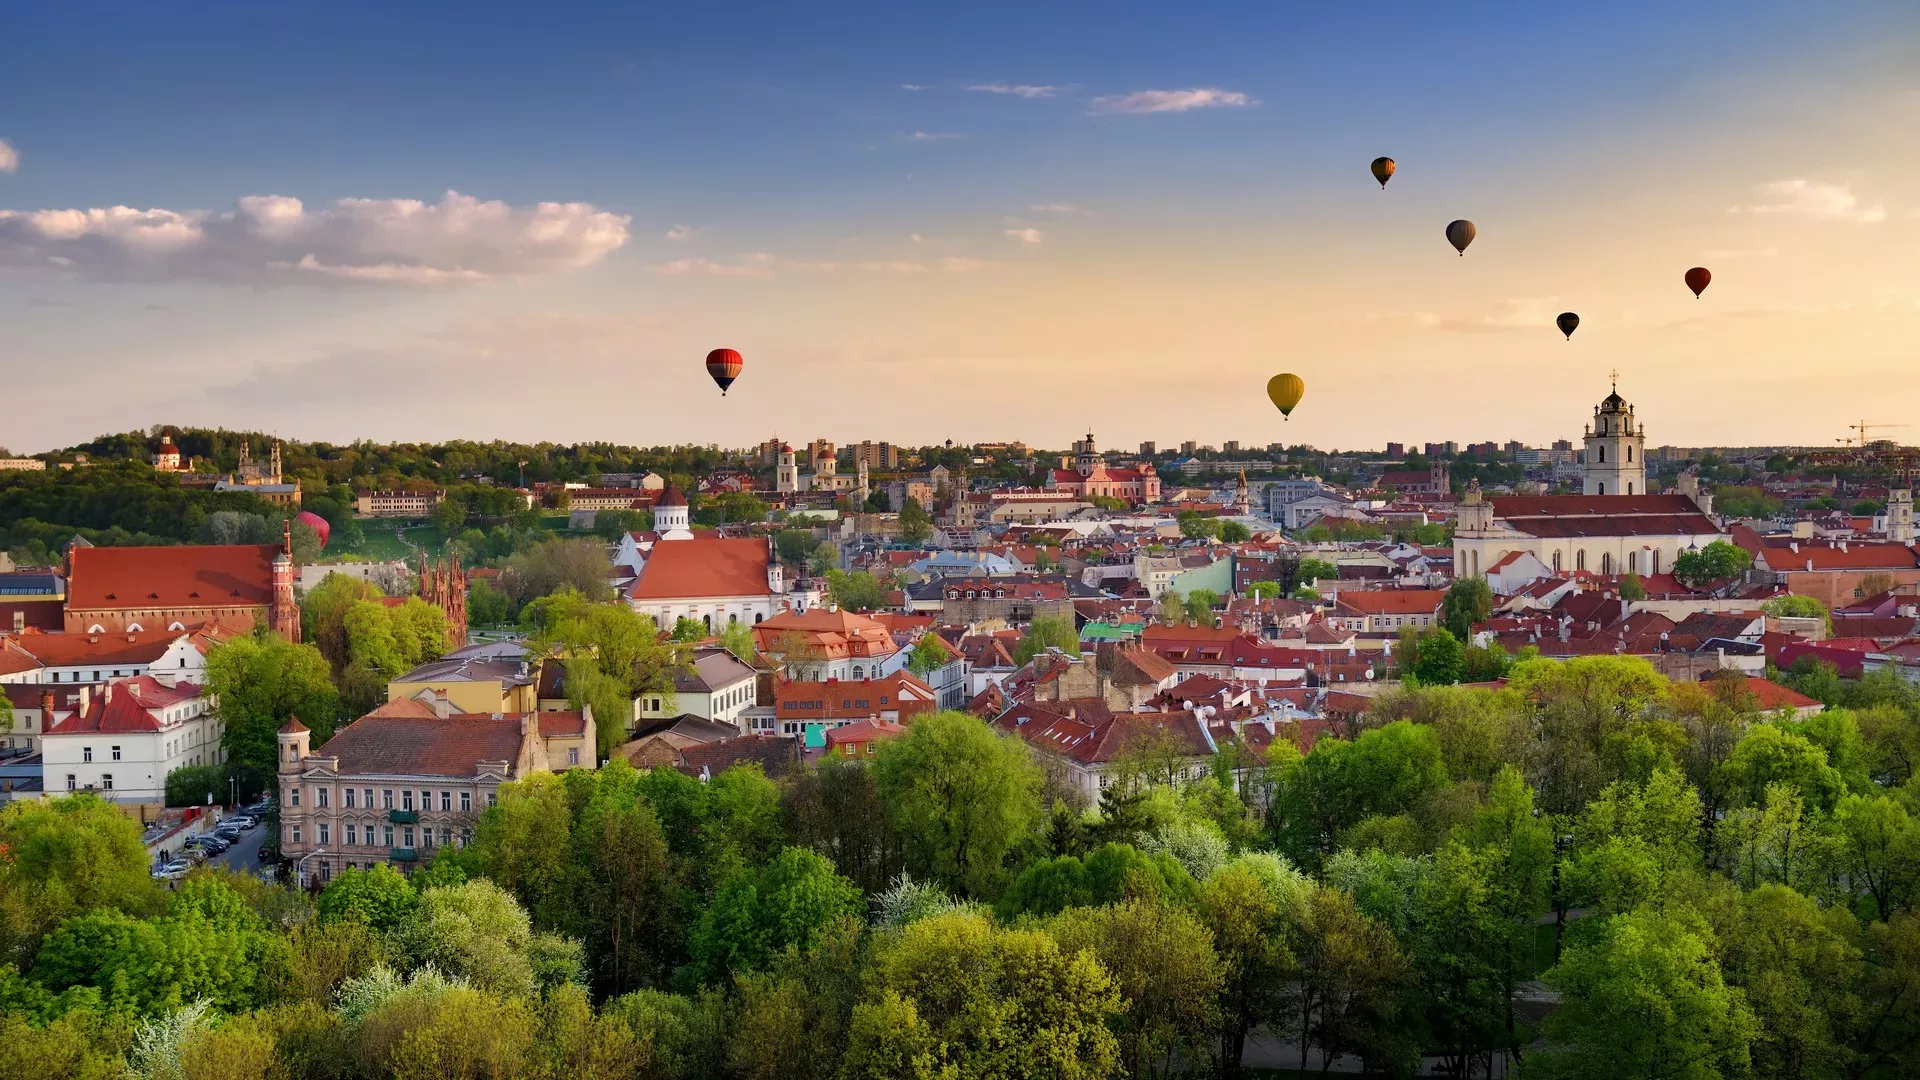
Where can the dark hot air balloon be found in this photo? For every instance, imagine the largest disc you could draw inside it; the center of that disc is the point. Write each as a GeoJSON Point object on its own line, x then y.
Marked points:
{"type": "Point", "coordinates": [1697, 279]}
{"type": "Point", "coordinates": [724, 365]}
{"type": "Point", "coordinates": [315, 522]}
{"type": "Point", "coordinates": [1382, 170]}
{"type": "Point", "coordinates": [1460, 233]}
{"type": "Point", "coordinates": [1568, 322]}
{"type": "Point", "coordinates": [1286, 389]}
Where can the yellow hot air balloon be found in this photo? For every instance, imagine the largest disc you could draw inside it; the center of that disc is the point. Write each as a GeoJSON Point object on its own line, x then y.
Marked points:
{"type": "Point", "coordinates": [1286, 389]}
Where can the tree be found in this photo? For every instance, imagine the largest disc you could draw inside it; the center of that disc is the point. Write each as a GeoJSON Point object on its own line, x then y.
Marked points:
{"type": "Point", "coordinates": [551, 565]}
{"type": "Point", "coordinates": [953, 995]}
{"type": "Point", "coordinates": [66, 856]}
{"type": "Point", "coordinates": [197, 785]}
{"type": "Point", "coordinates": [915, 525]}
{"type": "Point", "coordinates": [323, 612]}
{"type": "Point", "coordinates": [379, 896]}
{"type": "Point", "coordinates": [488, 606]}
{"type": "Point", "coordinates": [261, 682]}
{"type": "Point", "coordinates": [1800, 969]}
{"type": "Point", "coordinates": [1795, 607]}
{"type": "Point", "coordinates": [1643, 995]}
{"type": "Point", "coordinates": [617, 653]}
{"type": "Point", "coordinates": [737, 639]}
{"type": "Point", "coordinates": [1352, 979]}
{"type": "Point", "coordinates": [1440, 660]}
{"type": "Point", "coordinates": [1162, 962]}
{"type": "Point", "coordinates": [1770, 755]}
{"type": "Point", "coordinates": [1199, 606]}
{"type": "Point", "coordinates": [929, 654]}
{"type": "Point", "coordinates": [1256, 908]}
{"type": "Point", "coordinates": [522, 843]}
{"type": "Point", "coordinates": [856, 590]}
{"type": "Point", "coordinates": [1877, 845]}
{"type": "Point", "coordinates": [962, 795]}
{"type": "Point", "coordinates": [757, 914]}
{"type": "Point", "coordinates": [1717, 562]}
{"type": "Point", "coordinates": [1233, 532]}
{"type": "Point", "coordinates": [1873, 584]}
{"type": "Point", "coordinates": [627, 894]}
{"type": "Point", "coordinates": [1468, 603]}
{"type": "Point", "coordinates": [1631, 588]}
{"type": "Point", "coordinates": [1197, 526]}
{"type": "Point", "coordinates": [1263, 590]}
{"type": "Point", "coordinates": [794, 545]}
{"type": "Point", "coordinates": [477, 932]}
{"type": "Point", "coordinates": [1312, 570]}
{"type": "Point", "coordinates": [1047, 632]}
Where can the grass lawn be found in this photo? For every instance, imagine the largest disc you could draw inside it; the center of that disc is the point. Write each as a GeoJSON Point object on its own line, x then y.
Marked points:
{"type": "Point", "coordinates": [381, 545]}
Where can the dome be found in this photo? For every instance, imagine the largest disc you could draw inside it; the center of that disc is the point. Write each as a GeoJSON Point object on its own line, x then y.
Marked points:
{"type": "Point", "coordinates": [1614, 403]}
{"type": "Point", "coordinates": [671, 497]}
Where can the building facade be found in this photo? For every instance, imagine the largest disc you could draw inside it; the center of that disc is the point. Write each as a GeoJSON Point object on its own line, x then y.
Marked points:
{"type": "Point", "coordinates": [117, 590]}
{"type": "Point", "coordinates": [123, 738]}
{"type": "Point", "coordinates": [1090, 477]}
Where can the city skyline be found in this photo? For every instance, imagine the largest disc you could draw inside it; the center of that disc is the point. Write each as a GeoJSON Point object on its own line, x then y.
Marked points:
{"type": "Point", "coordinates": [1119, 220]}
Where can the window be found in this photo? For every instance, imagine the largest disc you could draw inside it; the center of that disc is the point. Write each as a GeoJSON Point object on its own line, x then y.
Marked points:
{"type": "Point", "coordinates": [426, 800]}
{"type": "Point", "coordinates": [1603, 459]}
{"type": "Point", "coordinates": [349, 794]}
{"type": "Point", "coordinates": [86, 754]}
{"type": "Point", "coordinates": [1629, 458]}
{"type": "Point", "coordinates": [106, 781]}
{"type": "Point", "coordinates": [1603, 487]}
{"type": "Point", "coordinates": [352, 834]}
{"type": "Point", "coordinates": [115, 752]}
{"type": "Point", "coordinates": [1633, 562]}
{"type": "Point", "coordinates": [466, 802]}
{"type": "Point", "coordinates": [326, 869]}
{"type": "Point", "coordinates": [466, 837]}
{"type": "Point", "coordinates": [320, 798]}
{"type": "Point", "coordinates": [72, 785]}
{"type": "Point", "coordinates": [406, 800]}
{"type": "Point", "coordinates": [1606, 562]}
{"type": "Point", "coordinates": [446, 800]}
{"type": "Point", "coordinates": [1629, 487]}
{"type": "Point", "coordinates": [490, 798]}
{"type": "Point", "coordinates": [446, 836]}
{"type": "Point", "coordinates": [1556, 562]}
{"type": "Point", "coordinates": [406, 836]}
{"type": "Point", "coordinates": [293, 833]}
{"type": "Point", "coordinates": [293, 796]}
{"type": "Point", "coordinates": [323, 831]}
{"type": "Point", "coordinates": [573, 755]}
{"type": "Point", "coordinates": [426, 836]}
{"type": "Point", "coordinates": [1654, 560]}
{"type": "Point", "coordinates": [367, 798]}
{"type": "Point", "coordinates": [386, 799]}
{"type": "Point", "coordinates": [386, 831]}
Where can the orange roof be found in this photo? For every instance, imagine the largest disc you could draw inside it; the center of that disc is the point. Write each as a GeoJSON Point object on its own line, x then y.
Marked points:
{"type": "Point", "coordinates": [188, 576]}
{"type": "Point", "coordinates": [1770, 695]}
{"type": "Point", "coordinates": [842, 632]}
{"type": "Point", "coordinates": [703, 567]}
{"type": "Point", "coordinates": [73, 649]}
{"type": "Point", "coordinates": [851, 699]}
{"type": "Point", "coordinates": [126, 706]}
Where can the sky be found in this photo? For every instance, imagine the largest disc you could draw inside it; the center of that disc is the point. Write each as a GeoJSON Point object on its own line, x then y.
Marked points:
{"type": "Point", "coordinates": [988, 221]}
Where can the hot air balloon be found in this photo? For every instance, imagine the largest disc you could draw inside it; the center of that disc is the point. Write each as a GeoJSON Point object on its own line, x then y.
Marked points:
{"type": "Point", "coordinates": [1460, 234]}
{"type": "Point", "coordinates": [315, 522]}
{"type": "Point", "coordinates": [1568, 322]}
{"type": "Point", "coordinates": [724, 365]}
{"type": "Point", "coordinates": [1285, 389]}
{"type": "Point", "coordinates": [1383, 170]}
{"type": "Point", "coordinates": [1697, 279]}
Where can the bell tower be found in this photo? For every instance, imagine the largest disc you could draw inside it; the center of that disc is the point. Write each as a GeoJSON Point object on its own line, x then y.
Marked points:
{"type": "Point", "coordinates": [1616, 449]}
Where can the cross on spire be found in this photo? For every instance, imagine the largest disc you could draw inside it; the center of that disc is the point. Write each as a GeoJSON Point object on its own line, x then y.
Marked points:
{"type": "Point", "coordinates": [1615, 376]}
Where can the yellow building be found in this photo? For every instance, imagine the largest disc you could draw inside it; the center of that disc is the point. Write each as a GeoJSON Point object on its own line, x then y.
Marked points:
{"type": "Point", "coordinates": [487, 677]}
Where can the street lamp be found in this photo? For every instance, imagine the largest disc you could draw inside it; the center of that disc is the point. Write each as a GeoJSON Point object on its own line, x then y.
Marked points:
{"type": "Point", "coordinates": [299, 866]}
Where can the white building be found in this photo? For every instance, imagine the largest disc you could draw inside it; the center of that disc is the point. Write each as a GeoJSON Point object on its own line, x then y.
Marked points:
{"type": "Point", "coordinates": [713, 581]}
{"type": "Point", "coordinates": [716, 686]}
{"type": "Point", "coordinates": [179, 655]}
{"type": "Point", "coordinates": [1616, 450]}
{"type": "Point", "coordinates": [124, 739]}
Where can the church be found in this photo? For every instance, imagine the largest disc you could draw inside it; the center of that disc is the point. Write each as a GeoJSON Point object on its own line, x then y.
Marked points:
{"type": "Point", "coordinates": [1090, 477]}
{"type": "Point", "coordinates": [1613, 527]}
{"type": "Point", "coordinates": [712, 580]}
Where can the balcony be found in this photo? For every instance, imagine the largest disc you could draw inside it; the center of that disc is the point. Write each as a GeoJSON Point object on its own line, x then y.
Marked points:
{"type": "Point", "coordinates": [404, 817]}
{"type": "Point", "coordinates": [402, 854]}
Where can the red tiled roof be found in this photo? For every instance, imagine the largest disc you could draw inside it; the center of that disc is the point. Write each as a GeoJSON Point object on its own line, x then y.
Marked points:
{"type": "Point", "coordinates": [126, 706]}
{"type": "Point", "coordinates": [381, 742]}
{"type": "Point", "coordinates": [861, 731]}
{"type": "Point", "coordinates": [1603, 515]}
{"type": "Point", "coordinates": [186, 576]}
{"type": "Point", "coordinates": [1770, 695]}
{"type": "Point", "coordinates": [851, 699]}
{"type": "Point", "coordinates": [1855, 556]}
{"type": "Point", "coordinates": [703, 567]}
{"type": "Point", "coordinates": [567, 724]}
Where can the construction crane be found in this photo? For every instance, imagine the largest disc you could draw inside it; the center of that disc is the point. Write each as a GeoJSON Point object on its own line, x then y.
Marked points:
{"type": "Point", "coordinates": [1860, 451]}
{"type": "Point", "coordinates": [1859, 438]}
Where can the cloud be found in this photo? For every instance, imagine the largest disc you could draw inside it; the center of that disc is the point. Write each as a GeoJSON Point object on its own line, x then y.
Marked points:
{"type": "Point", "coordinates": [765, 264]}
{"type": "Point", "coordinates": [933, 136]}
{"type": "Point", "coordinates": [912, 86]}
{"type": "Point", "coordinates": [1023, 90]}
{"type": "Point", "coordinates": [1815, 200]}
{"type": "Point", "coordinates": [1168, 101]}
{"type": "Point", "coordinates": [1027, 236]}
{"type": "Point", "coordinates": [274, 239]}
{"type": "Point", "coordinates": [1517, 313]}
{"type": "Point", "coordinates": [9, 157]}
{"type": "Point", "coordinates": [1058, 208]}
{"type": "Point", "coordinates": [681, 232]}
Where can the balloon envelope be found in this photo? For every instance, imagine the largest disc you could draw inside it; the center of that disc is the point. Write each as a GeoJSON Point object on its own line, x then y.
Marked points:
{"type": "Point", "coordinates": [724, 365]}
{"type": "Point", "coordinates": [1697, 279]}
{"type": "Point", "coordinates": [1460, 233]}
{"type": "Point", "coordinates": [1383, 170]}
{"type": "Point", "coordinates": [317, 523]}
{"type": "Point", "coordinates": [1568, 322]}
{"type": "Point", "coordinates": [1286, 389]}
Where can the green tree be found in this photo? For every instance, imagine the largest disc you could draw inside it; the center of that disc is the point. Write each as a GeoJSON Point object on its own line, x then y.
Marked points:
{"type": "Point", "coordinates": [1233, 532]}
{"type": "Point", "coordinates": [1643, 995]}
{"type": "Point", "coordinates": [1717, 562]}
{"type": "Point", "coordinates": [915, 524]}
{"type": "Point", "coordinates": [855, 590]}
{"type": "Point", "coordinates": [1795, 607]}
{"type": "Point", "coordinates": [260, 683]}
{"type": "Point", "coordinates": [1197, 526]}
{"type": "Point", "coordinates": [1771, 755]}
{"type": "Point", "coordinates": [929, 654]}
{"type": "Point", "coordinates": [449, 514]}
{"type": "Point", "coordinates": [522, 843]}
{"type": "Point", "coordinates": [1263, 590]}
{"type": "Point", "coordinates": [1256, 909]}
{"type": "Point", "coordinates": [1442, 659]}
{"type": "Point", "coordinates": [952, 995]}
{"type": "Point", "coordinates": [197, 785]}
{"type": "Point", "coordinates": [323, 612]}
{"type": "Point", "coordinates": [551, 565]}
{"type": "Point", "coordinates": [628, 891]}
{"type": "Point", "coordinates": [477, 932]}
{"type": "Point", "coordinates": [1632, 588]}
{"type": "Point", "coordinates": [737, 639]}
{"type": "Point", "coordinates": [1312, 570]}
{"type": "Point", "coordinates": [789, 902]}
{"type": "Point", "coordinates": [1162, 961]}
{"type": "Point", "coordinates": [619, 653]}
{"type": "Point", "coordinates": [64, 857]}
{"type": "Point", "coordinates": [1047, 632]}
{"type": "Point", "coordinates": [488, 606]}
{"type": "Point", "coordinates": [1469, 602]}
{"type": "Point", "coordinates": [1199, 605]}
{"type": "Point", "coordinates": [962, 795]}
{"type": "Point", "coordinates": [379, 896]}
{"type": "Point", "coordinates": [1877, 846]}
{"type": "Point", "coordinates": [1800, 969]}
{"type": "Point", "coordinates": [1353, 979]}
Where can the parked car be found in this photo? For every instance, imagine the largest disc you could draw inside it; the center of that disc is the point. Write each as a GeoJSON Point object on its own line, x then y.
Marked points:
{"type": "Point", "coordinates": [172, 871]}
{"type": "Point", "coordinates": [244, 821]}
{"type": "Point", "coordinates": [210, 845]}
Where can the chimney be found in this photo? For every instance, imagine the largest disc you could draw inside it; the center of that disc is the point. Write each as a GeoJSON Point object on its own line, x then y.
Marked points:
{"type": "Point", "coordinates": [46, 706]}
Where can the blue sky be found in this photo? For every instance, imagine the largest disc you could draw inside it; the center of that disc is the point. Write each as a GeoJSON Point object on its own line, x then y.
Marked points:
{"type": "Point", "coordinates": [1061, 250]}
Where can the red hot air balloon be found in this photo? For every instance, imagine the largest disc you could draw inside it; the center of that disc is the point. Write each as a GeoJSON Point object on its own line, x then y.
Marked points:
{"type": "Point", "coordinates": [1697, 279]}
{"type": "Point", "coordinates": [724, 365]}
{"type": "Point", "coordinates": [317, 523]}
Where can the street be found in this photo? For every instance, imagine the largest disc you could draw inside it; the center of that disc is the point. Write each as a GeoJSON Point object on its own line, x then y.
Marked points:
{"type": "Point", "coordinates": [242, 857]}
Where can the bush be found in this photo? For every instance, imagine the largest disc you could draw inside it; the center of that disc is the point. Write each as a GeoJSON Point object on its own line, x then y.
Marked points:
{"type": "Point", "coordinates": [197, 785]}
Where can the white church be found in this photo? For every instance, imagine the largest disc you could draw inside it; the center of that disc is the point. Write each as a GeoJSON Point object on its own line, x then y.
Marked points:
{"type": "Point", "coordinates": [1613, 527]}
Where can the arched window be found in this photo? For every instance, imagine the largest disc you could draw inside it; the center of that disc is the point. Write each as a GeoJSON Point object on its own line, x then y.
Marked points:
{"type": "Point", "coordinates": [134, 628]}
{"type": "Point", "coordinates": [1603, 487]}
{"type": "Point", "coordinates": [1580, 559]}
{"type": "Point", "coordinates": [1629, 458]}
{"type": "Point", "coordinates": [1603, 455]}
{"type": "Point", "coordinates": [709, 621]}
{"type": "Point", "coordinates": [1633, 562]}
{"type": "Point", "coordinates": [1606, 562]}
{"type": "Point", "coordinates": [1629, 487]}
{"type": "Point", "coordinates": [1556, 562]}
{"type": "Point", "coordinates": [176, 626]}
{"type": "Point", "coordinates": [1654, 559]}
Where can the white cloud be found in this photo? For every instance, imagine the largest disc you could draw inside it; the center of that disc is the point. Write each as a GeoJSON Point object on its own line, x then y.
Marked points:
{"type": "Point", "coordinates": [681, 232]}
{"type": "Point", "coordinates": [1024, 90]}
{"type": "Point", "coordinates": [933, 136]}
{"type": "Point", "coordinates": [1058, 208]}
{"type": "Point", "coordinates": [912, 86]}
{"type": "Point", "coordinates": [1816, 200]}
{"type": "Point", "coordinates": [1517, 313]}
{"type": "Point", "coordinates": [916, 238]}
{"type": "Point", "coordinates": [764, 264]}
{"type": "Point", "coordinates": [1166, 101]}
{"type": "Point", "coordinates": [9, 157]}
{"type": "Point", "coordinates": [274, 239]}
{"type": "Point", "coordinates": [1027, 236]}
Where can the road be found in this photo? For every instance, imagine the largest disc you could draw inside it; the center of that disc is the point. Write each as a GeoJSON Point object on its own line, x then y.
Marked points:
{"type": "Point", "coordinates": [243, 856]}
